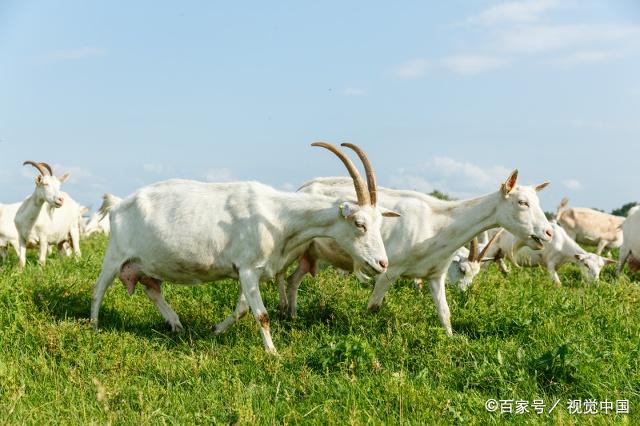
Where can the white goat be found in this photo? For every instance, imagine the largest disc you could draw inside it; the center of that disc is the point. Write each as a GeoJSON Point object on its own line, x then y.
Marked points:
{"type": "Point", "coordinates": [191, 232]}
{"type": "Point", "coordinates": [560, 250]}
{"type": "Point", "coordinates": [630, 250]}
{"type": "Point", "coordinates": [48, 216]}
{"type": "Point", "coordinates": [590, 227]}
{"type": "Point", "coordinates": [466, 262]}
{"type": "Point", "coordinates": [99, 222]}
{"type": "Point", "coordinates": [422, 242]}
{"type": "Point", "coordinates": [8, 231]}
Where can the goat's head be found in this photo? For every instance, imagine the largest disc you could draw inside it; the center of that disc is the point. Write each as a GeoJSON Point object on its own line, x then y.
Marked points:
{"type": "Point", "coordinates": [591, 264]}
{"type": "Point", "coordinates": [519, 212]}
{"type": "Point", "coordinates": [469, 267]}
{"type": "Point", "coordinates": [358, 229]}
{"type": "Point", "coordinates": [48, 185]}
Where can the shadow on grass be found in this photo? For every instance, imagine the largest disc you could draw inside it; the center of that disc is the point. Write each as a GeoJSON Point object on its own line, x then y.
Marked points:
{"type": "Point", "coordinates": [61, 304]}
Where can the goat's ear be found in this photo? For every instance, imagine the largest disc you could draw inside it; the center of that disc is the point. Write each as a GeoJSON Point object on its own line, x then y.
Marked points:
{"type": "Point", "coordinates": [388, 213]}
{"type": "Point", "coordinates": [608, 261]}
{"type": "Point", "coordinates": [542, 186]}
{"type": "Point", "coordinates": [39, 180]}
{"type": "Point", "coordinates": [65, 177]}
{"type": "Point", "coordinates": [510, 183]}
{"type": "Point", "coordinates": [348, 209]}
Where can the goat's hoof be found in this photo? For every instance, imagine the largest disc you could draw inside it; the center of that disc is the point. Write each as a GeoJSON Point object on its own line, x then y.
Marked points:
{"type": "Point", "coordinates": [176, 328]}
{"type": "Point", "coordinates": [374, 308]}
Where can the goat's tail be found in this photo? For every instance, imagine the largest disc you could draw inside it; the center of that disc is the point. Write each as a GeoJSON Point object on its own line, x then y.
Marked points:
{"type": "Point", "coordinates": [109, 201]}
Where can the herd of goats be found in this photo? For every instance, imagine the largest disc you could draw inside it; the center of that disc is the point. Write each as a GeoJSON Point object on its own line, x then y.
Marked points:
{"type": "Point", "coordinates": [191, 232]}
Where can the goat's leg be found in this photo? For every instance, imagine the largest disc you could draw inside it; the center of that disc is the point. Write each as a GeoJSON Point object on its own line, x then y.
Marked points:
{"type": "Point", "coordinates": [238, 313]}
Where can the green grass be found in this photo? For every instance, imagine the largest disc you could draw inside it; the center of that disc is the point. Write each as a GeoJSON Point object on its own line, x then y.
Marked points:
{"type": "Point", "coordinates": [515, 338]}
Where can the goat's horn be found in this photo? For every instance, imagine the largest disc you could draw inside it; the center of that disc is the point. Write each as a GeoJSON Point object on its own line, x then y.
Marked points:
{"type": "Point", "coordinates": [371, 177]}
{"type": "Point", "coordinates": [38, 166]}
{"type": "Point", "coordinates": [361, 191]}
{"type": "Point", "coordinates": [473, 249]}
{"type": "Point", "coordinates": [48, 168]}
{"type": "Point", "coordinates": [489, 244]}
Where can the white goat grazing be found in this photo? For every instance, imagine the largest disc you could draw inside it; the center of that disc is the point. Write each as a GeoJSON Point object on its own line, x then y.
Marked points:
{"type": "Point", "coordinates": [630, 250]}
{"type": "Point", "coordinates": [422, 242]}
{"type": "Point", "coordinates": [560, 250]}
{"type": "Point", "coordinates": [590, 227]}
{"type": "Point", "coordinates": [48, 216]}
{"type": "Point", "coordinates": [191, 232]}
{"type": "Point", "coordinates": [466, 263]}
{"type": "Point", "coordinates": [99, 222]}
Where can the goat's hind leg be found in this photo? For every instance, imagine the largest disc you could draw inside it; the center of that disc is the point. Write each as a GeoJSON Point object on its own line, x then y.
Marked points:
{"type": "Point", "coordinates": [241, 310]}
{"type": "Point", "coordinates": [154, 293]}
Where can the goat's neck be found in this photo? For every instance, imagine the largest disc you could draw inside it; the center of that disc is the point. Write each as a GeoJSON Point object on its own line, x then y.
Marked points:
{"type": "Point", "coordinates": [461, 220]}
{"type": "Point", "coordinates": [31, 208]}
{"type": "Point", "coordinates": [310, 218]}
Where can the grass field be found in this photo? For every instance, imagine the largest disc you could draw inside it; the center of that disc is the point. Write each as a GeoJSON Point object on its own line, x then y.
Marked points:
{"type": "Point", "coordinates": [515, 338]}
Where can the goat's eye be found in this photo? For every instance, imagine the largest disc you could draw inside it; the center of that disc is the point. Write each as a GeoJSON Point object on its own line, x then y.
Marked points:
{"type": "Point", "coordinates": [361, 225]}
{"type": "Point", "coordinates": [523, 203]}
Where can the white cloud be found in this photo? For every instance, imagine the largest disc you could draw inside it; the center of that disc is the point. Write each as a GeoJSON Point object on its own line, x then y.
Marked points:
{"type": "Point", "coordinates": [514, 11]}
{"type": "Point", "coordinates": [413, 68]}
{"type": "Point", "coordinates": [70, 54]}
{"type": "Point", "coordinates": [403, 180]}
{"type": "Point", "coordinates": [458, 178]}
{"type": "Point", "coordinates": [545, 38]}
{"type": "Point", "coordinates": [354, 91]}
{"type": "Point", "coordinates": [288, 186]}
{"type": "Point", "coordinates": [589, 57]}
{"type": "Point", "coordinates": [473, 64]}
{"type": "Point", "coordinates": [76, 172]}
{"type": "Point", "coordinates": [217, 175]}
{"type": "Point", "coordinates": [572, 184]}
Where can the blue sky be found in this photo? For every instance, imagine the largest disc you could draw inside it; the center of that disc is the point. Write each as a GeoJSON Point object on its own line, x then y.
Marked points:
{"type": "Point", "coordinates": [447, 95]}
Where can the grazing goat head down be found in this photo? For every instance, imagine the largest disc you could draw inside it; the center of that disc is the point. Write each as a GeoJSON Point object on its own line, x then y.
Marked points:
{"type": "Point", "coordinates": [192, 232]}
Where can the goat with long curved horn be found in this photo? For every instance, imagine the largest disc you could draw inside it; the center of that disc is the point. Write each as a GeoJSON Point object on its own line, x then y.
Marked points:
{"type": "Point", "coordinates": [39, 166]}
{"type": "Point", "coordinates": [368, 168]}
{"type": "Point", "coordinates": [48, 167]}
{"type": "Point", "coordinates": [362, 193]}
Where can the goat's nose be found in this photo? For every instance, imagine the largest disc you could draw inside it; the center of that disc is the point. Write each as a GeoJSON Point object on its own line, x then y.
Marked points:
{"type": "Point", "coordinates": [384, 263]}
{"type": "Point", "coordinates": [60, 200]}
{"type": "Point", "coordinates": [549, 233]}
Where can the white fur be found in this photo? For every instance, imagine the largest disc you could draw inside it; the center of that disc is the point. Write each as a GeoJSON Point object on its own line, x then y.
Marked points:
{"type": "Point", "coordinates": [422, 242]}
{"type": "Point", "coordinates": [48, 216]}
{"type": "Point", "coordinates": [191, 232]}
{"type": "Point", "coordinates": [560, 250]}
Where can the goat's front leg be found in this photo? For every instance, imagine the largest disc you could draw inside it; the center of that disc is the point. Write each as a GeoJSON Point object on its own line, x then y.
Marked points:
{"type": "Point", "coordinates": [383, 282]}
{"type": "Point", "coordinates": [440, 299]}
{"type": "Point", "coordinates": [624, 255]}
{"type": "Point", "coordinates": [602, 244]}
{"type": "Point", "coordinates": [44, 250]}
{"type": "Point", "coordinates": [75, 241]}
{"type": "Point", "coordinates": [553, 274]}
{"type": "Point", "coordinates": [250, 280]}
{"type": "Point", "coordinates": [22, 253]}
